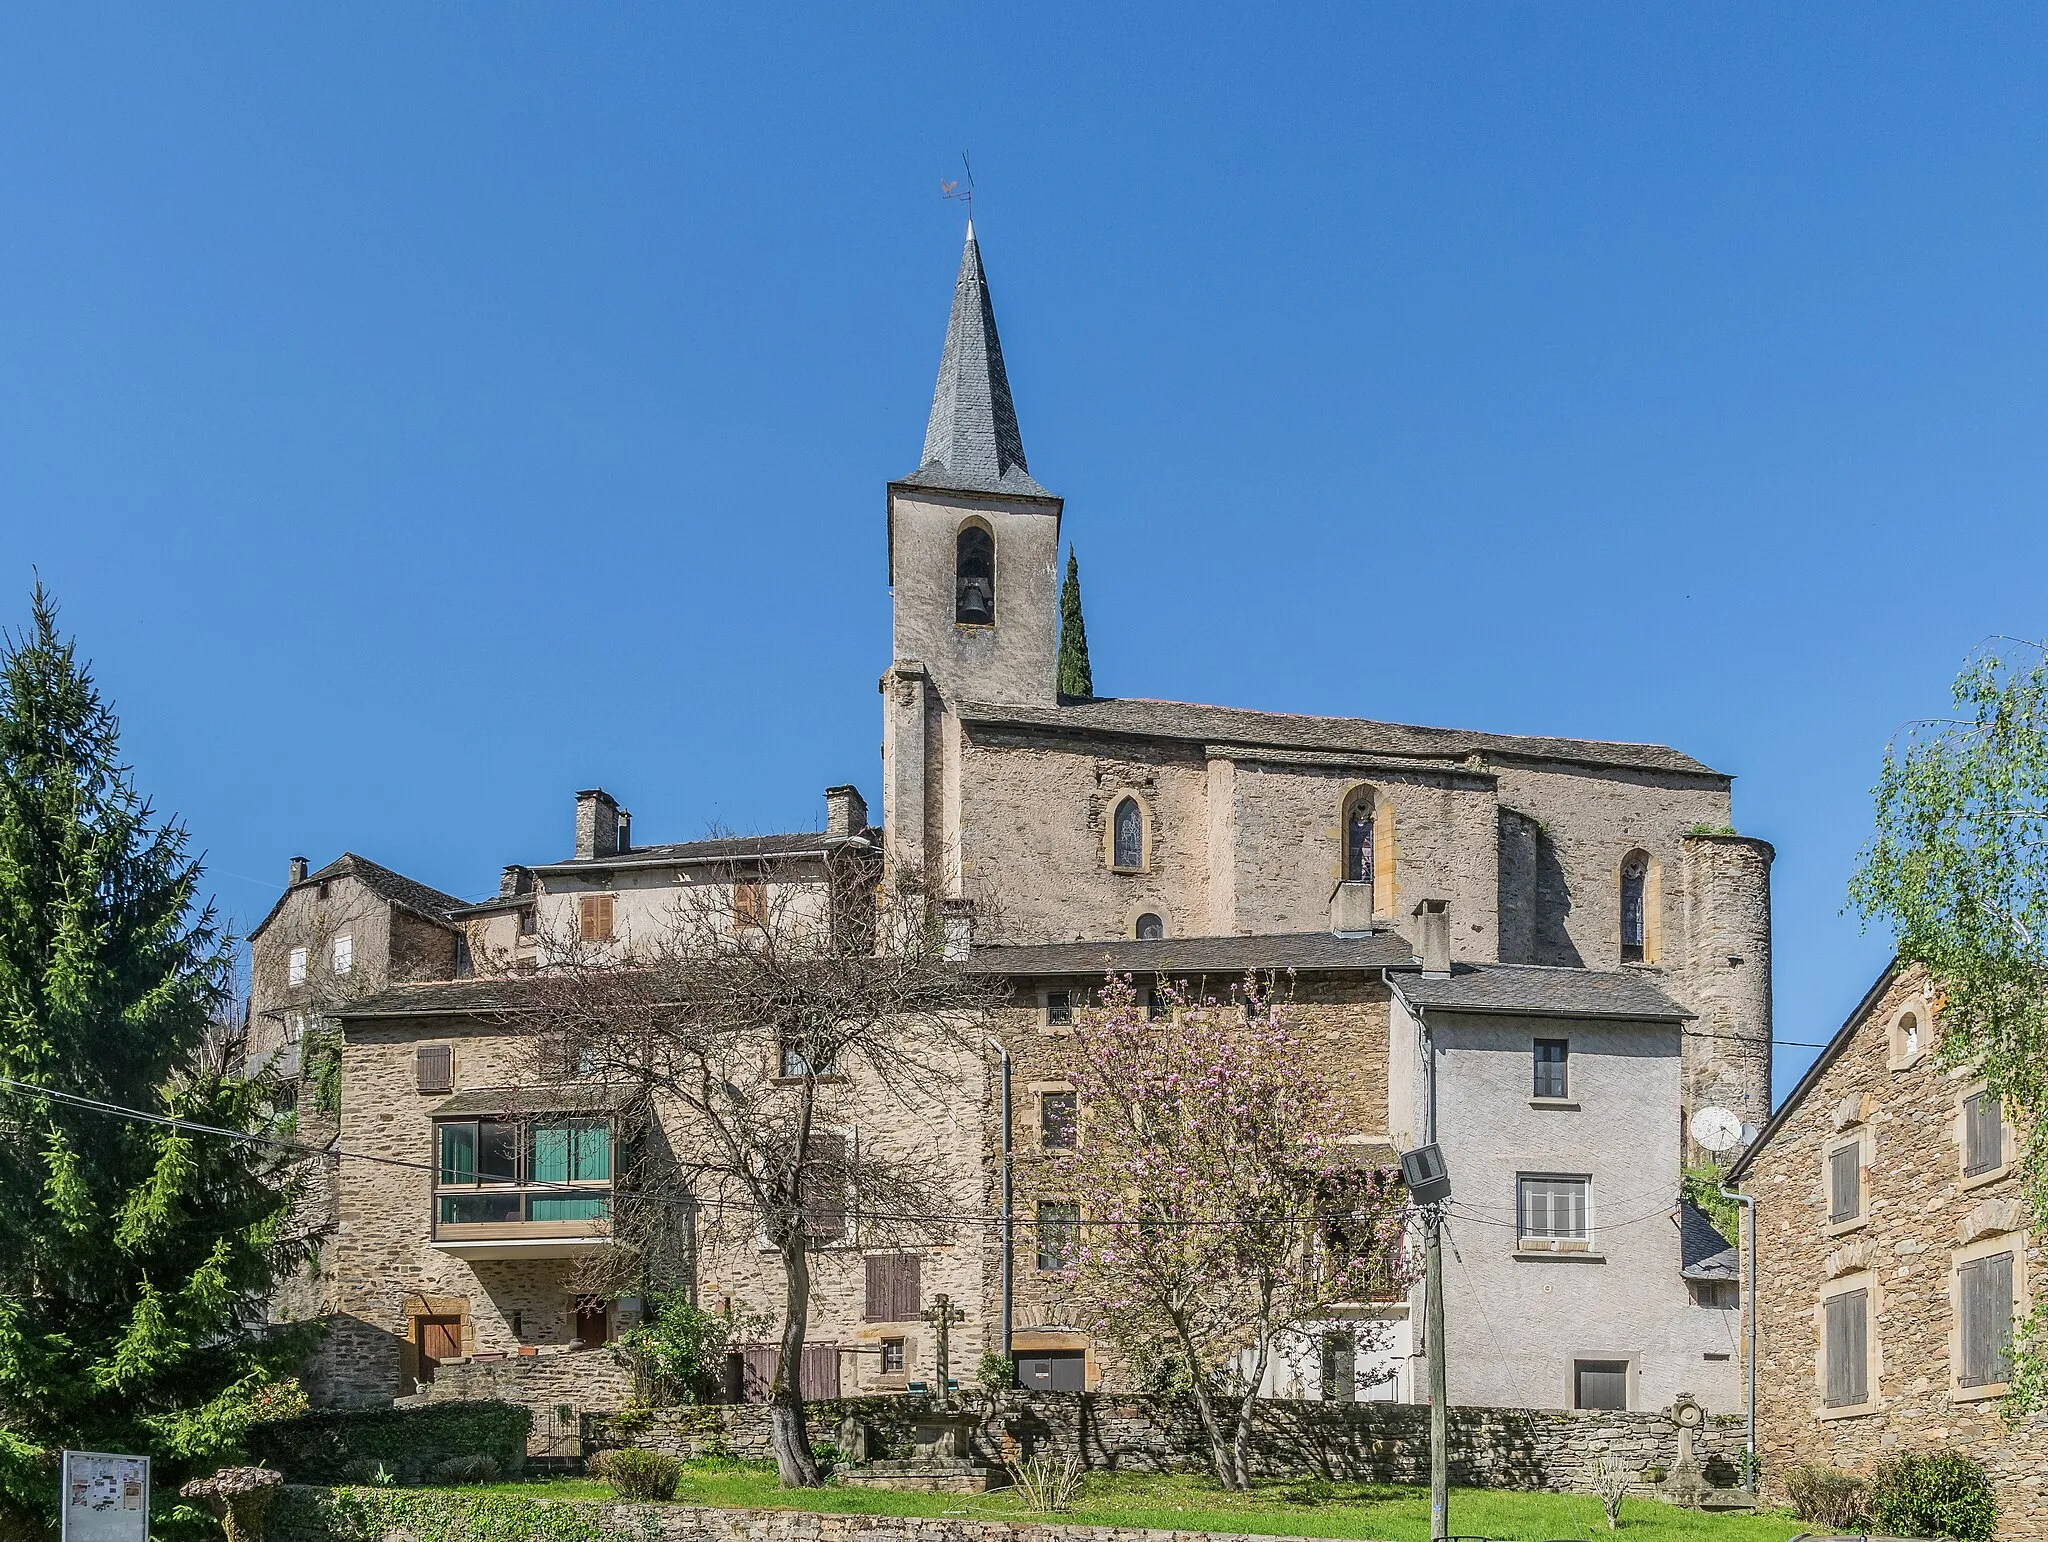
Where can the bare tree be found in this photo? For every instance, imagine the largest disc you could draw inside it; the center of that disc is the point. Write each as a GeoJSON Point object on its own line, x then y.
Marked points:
{"type": "Point", "coordinates": [762, 1020]}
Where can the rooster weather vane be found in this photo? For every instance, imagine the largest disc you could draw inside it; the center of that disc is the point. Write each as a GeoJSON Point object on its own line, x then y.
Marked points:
{"type": "Point", "coordinates": [957, 193]}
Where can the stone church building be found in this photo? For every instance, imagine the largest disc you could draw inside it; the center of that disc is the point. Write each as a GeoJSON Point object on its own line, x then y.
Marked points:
{"type": "Point", "coordinates": [1597, 968]}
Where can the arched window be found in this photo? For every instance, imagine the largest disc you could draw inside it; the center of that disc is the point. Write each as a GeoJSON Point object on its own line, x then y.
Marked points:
{"type": "Point", "coordinates": [1149, 928]}
{"type": "Point", "coordinates": [974, 577]}
{"type": "Point", "coordinates": [1635, 880]}
{"type": "Point", "coordinates": [1358, 833]}
{"type": "Point", "coordinates": [1127, 836]}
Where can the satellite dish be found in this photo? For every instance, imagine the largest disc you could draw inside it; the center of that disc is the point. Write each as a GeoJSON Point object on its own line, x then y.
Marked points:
{"type": "Point", "coordinates": [1716, 1129]}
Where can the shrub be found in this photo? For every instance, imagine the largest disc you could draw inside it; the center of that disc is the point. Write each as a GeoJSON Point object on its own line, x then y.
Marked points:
{"type": "Point", "coordinates": [1047, 1481]}
{"type": "Point", "coordinates": [474, 1468]}
{"type": "Point", "coordinates": [407, 1442]}
{"type": "Point", "coordinates": [1611, 1481]}
{"type": "Point", "coordinates": [1823, 1495]}
{"type": "Point", "coordinates": [1938, 1494]}
{"type": "Point", "coordinates": [637, 1474]}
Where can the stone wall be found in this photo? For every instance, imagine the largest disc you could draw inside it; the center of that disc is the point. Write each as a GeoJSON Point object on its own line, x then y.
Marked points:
{"type": "Point", "coordinates": [584, 1380]}
{"type": "Point", "coordinates": [1921, 1217]}
{"type": "Point", "coordinates": [1361, 1442]}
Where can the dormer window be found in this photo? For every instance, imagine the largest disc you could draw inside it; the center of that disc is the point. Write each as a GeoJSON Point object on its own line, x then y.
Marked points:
{"type": "Point", "coordinates": [974, 577]}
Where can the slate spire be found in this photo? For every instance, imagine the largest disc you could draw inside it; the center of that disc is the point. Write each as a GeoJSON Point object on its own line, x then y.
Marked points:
{"type": "Point", "coordinates": [971, 442]}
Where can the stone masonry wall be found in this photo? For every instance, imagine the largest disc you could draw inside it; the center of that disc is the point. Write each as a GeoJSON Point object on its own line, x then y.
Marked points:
{"type": "Point", "coordinates": [1921, 1212]}
{"type": "Point", "coordinates": [1367, 1442]}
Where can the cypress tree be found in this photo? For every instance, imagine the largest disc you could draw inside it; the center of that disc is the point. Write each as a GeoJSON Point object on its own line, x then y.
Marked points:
{"type": "Point", "coordinates": [135, 1258]}
{"type": "Point", "coordinates": [1075, 677]}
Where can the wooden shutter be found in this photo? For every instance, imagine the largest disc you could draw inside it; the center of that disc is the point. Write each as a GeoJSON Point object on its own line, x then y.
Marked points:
{"type": "Point", "coordinates": [1984, 1302]}
{"type": "Point", "coordinates": [1845, 1183]}
{"type": "Point", "coordinates": [1983, 1134]}
{"type": "Point", "coordinates": [895, 1289]}
{"type": "Point", "coordinates": [825, 1187]}
{"type": "Point", "coordinates": [750, 902]}
{"type": "Point", "coordinates": [1847, 1350]}
{"type": "Point", "coordinates": [435, 1065]}
{"type": "Point", "coordinates": [594, 917]}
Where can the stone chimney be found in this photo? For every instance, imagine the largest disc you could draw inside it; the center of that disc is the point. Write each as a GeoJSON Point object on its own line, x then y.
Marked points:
{"type": "Point", "coordinates": [515, 880]}
{"type": "Point", "coordinates": [1433, 938]}
{"type": "Point", "coordinates": [846, 812]}
{"type": "Point", "coordinates": [298, 869]}
{"type": "Point", "coordinates": [597, 824]}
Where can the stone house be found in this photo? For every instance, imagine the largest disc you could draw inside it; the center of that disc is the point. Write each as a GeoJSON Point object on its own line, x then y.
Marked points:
{"type": "Point", "coordinates": [1892, 1259]}
{"type": "Point", "coordinates": [1586, 891]}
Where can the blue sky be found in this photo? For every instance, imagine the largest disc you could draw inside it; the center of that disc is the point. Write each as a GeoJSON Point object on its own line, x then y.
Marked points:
{"type": "Point", "coordinates": [424, 411]}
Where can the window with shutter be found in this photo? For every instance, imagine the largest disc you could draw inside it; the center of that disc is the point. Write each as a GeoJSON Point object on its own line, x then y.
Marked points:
{"type": "Point", "coordinates": [1984, 1308]}
{"type": "Point", "coordinates": [594, 917]}
{"type": "Point", "coordinates": [749, 903]}
{"type": "Point", "coordinates": [1846, 1354]}
{"type": "Point", "coordinates": [825, 1187]}
{"type": "Point", "coordinates": [1845, 1183]}
{"type": "Point", "coordinates": [435, 1064]}
{"type": "Point", "coordinates": [895, 1287]}
{"type": "Point", "coordinates": [1983, 1134]}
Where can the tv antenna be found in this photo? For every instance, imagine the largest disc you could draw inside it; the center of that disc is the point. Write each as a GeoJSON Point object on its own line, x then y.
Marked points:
{"type": "Point", "coordinates": [957, 193]}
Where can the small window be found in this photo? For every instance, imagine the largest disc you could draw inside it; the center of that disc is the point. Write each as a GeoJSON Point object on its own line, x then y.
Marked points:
{"type": "Point", "coordinates": [529, 920]}
{"type": "Point", "coordinates": [1127, 836]}
{"type": "Point", "coordinates": [1149, 928]}
{"type": "Point", "coordinates": [344, 953]}
{"type": "Point", "coordinates": [974, 577]}
{"type": "Point", "coordinates": [1552, 1068]}
{"type": "Point", "coordinates": [295, 967]}
{"type": "Point", "coordinates": [1059, 1226]}
{"type": "Point", "coordinates": [1059, 1009]}
{"type": "Point", "coordinates": [749, 902]}
{"type": "Point", "coordinates": [435, 1064]}
{"type": "Point", "coordinates": [799, 1062]}
{"type": "Point", "coordinates": [1984, 1310]}
{"type": "Point", "coordinates": [1358, 841]}
{"type": "Point", "coordinates": [1157, 1007]}
{"type": "Point", "coordinates": [1721, 1295]}
{"type": "Point", "coordinates": [1600, 1384]}
{"type": "Point", "coordinates": [1552, 1209]}
{"type": "Point", "coordinates": [1058, 1120]}
{"type": "Point", "coordinates": [1983, 1134]}
{"type": "Point", "coordinates": [1845, 1183]}
{"type": "Point", "coordinates": [895, 1287]}
{"type": "Point", "coordinates": [1635, 875]}
{"type": "Point", "coordinates": [594, 917]}
{"type": "Point", "coordinates": [893, 1358]}
{"type": "Point", "coordinates": [1340, 1368]}
{"type": "Point", "coordinates": [1845, 1369]}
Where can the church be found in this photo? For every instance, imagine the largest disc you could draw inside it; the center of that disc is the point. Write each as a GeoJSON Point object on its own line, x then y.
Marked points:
{"type": "Point", "coordinates": [1571, 928]}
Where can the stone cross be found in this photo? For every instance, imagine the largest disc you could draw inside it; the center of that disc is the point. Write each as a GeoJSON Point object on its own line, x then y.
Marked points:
{"type": "Point", "coordinates": [942, 1314]}
{"type": "Point", "coordinates": [1686, 1485]}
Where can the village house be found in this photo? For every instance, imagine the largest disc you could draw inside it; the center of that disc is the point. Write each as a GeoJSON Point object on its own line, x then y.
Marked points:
{"type": "Point", "coordinates": [1600, 962]}
{"type": "Point", "coordinates": [1892, 1259]}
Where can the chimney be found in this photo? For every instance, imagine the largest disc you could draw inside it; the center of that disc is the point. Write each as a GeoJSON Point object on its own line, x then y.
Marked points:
{"type": "Point", "coordinates": [298, 869]}
{"type": "Point", "coordinates": [1433, 938]}
{"type": "Point", "coordinates": [597, 824]}
{"type": "Point", "coordinates": [846, 812]}
{"type": "Point", "coordinates": [515, 880]}
{"type": "Point", "coordinates": [625, 832]}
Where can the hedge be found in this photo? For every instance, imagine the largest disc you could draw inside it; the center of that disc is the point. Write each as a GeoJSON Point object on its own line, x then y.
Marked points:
{"type": "Point", "coordinates": [332, 1447]}
{"type": "Point", "coordinates": [429, 1515]}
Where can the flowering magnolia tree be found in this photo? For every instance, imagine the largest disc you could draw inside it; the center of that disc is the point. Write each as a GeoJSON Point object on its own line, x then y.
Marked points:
{"type": "Point", "coordinates": [1218, 1210]}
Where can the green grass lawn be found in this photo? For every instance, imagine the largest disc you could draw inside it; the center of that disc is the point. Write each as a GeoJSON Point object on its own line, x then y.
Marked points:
{"type": "Point", "coordinates": [1185, 1503]}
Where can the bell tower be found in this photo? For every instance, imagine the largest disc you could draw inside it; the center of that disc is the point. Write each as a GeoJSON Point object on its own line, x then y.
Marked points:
{"type": "Point", "coordinates": [973, 569]}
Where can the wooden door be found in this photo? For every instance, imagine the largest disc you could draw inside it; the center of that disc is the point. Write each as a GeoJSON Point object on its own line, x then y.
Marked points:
{"type": "Point", "coordinates": [439, 1338]}
{"type": "Point", "coordinates": [593, 1323]}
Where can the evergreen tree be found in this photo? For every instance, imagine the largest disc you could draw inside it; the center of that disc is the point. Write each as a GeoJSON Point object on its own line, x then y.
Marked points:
{"type": "Point", "coordinates": [1075, 677]}
{"type": "Point", "coordinates": [134, 1257]}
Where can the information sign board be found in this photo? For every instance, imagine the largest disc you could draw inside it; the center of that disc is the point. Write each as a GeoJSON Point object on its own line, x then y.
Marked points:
{"type": "Point", "coordinates": [106, 1497]}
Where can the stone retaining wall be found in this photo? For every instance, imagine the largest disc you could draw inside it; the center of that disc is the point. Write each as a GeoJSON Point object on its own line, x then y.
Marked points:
{"type": "Point", "coordinates": [1363, 1442]}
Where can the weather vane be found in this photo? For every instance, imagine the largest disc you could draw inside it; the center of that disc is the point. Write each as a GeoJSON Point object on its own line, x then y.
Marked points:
{"type": "Point", "coordinates": [958, 193]}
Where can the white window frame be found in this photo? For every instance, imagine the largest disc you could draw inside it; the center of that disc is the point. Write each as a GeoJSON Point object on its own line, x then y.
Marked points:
{"type": "Point", "coordinates": [343, 953]}
{"type": "Point", "coordinates": [295, 966]}
{"type": "Point", "coordinates": [1553, 1245]}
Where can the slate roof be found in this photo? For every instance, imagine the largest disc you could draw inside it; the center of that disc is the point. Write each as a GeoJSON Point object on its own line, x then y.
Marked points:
{"type": "Point", "coordinates": [722, 848]}
{"type": "Point", "coordinates": [971, 442]}
{"type": "Point", "coordinates": [407, 893]}
{"type": "Point", "coordinates": [444, 998]}
{"type": "Point", "coordinates": [555, 1098]}
{"type": "Point", "coordinates": [1531, 990]}
{"type": "Point", "coordinates": [1703, 1253]}
{"type": "Point", "coordinates": [1310, 952]}
{"type": "Point", "coordinates": [1141, 717]}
